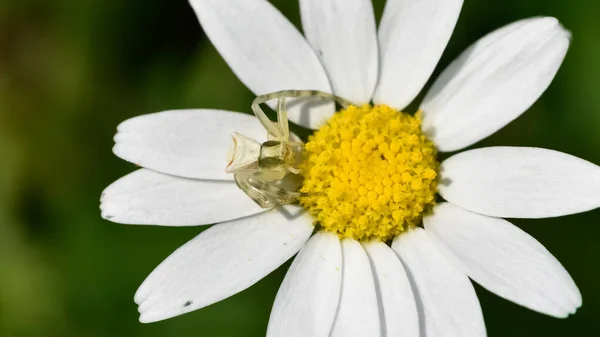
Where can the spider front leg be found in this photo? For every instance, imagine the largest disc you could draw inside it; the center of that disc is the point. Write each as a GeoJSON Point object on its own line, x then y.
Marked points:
{"type": "Point", "coordinates": [272, 129]}
{"type": "Point", "coordinates": [280, 130]}
{"type": "Point", "coordinates": [282, 118]}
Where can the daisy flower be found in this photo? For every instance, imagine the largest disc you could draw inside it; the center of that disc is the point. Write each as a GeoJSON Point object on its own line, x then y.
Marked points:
{"type": "Point", "coordinates": [377, 255]}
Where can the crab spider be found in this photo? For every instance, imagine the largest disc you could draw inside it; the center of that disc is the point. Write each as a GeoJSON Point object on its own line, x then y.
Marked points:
{"type": "Point", "coordinates": [259, 169]}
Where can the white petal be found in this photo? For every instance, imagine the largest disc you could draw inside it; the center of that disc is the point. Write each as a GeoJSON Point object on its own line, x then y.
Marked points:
{"type": "Point", "coordinates": [343, 34]}
{"type": "Point", "coordinates": [266, 52]}
{"type": "Point", "coordinates": [493, 82]}
{"type": "Point", "coordinates": [222, 261]}
{"type": "Point", "coordinates": [396, 298]}
{"type": "Point", "coordinates": [308, 298]}
{"type": "Point", "coordinates": [448, 305]}
{"type": "Point", "coordinates": [186, 143]}
{"type": "Point", "coordinates": [358, 312]}
{"type": "Point", "coordinates": [146, 197]}
{"type": "Point", "coordinates": [412, 37]}
{"type": "Point", "coordinates": [520, 182]}
{"type": "Point", "coordinates": [503, 259]}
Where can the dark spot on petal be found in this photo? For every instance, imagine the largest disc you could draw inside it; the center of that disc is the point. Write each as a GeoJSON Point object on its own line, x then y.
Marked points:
{"type": "Point", "coordinates": [187, 304]}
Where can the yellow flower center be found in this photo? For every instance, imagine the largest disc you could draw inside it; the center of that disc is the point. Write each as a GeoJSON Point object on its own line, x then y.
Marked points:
{"type": "Point", "coordinates": [369, 173]}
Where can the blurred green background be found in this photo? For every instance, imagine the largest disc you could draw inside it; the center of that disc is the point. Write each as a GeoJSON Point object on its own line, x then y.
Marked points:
{"type": "Point", "coordinates": [71, 70]}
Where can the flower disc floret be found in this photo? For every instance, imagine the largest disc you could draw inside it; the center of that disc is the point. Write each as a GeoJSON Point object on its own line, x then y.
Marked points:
{"type": "Point", "coordinates": [369, 173]}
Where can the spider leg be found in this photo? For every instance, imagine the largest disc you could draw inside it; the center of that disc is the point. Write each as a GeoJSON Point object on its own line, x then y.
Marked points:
{"type": "Point", "coordinates": [282, 118]}
{"type": "Point", "coordinates": [302, 93]}
{"type": "Point", "coordinates": [283, 129]}
{"type": "Point", "coordinates": [272, 129]}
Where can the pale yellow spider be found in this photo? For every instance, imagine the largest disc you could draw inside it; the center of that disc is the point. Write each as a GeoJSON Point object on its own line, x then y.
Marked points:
{"type": "Point", "coordinates": [268, 172]}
